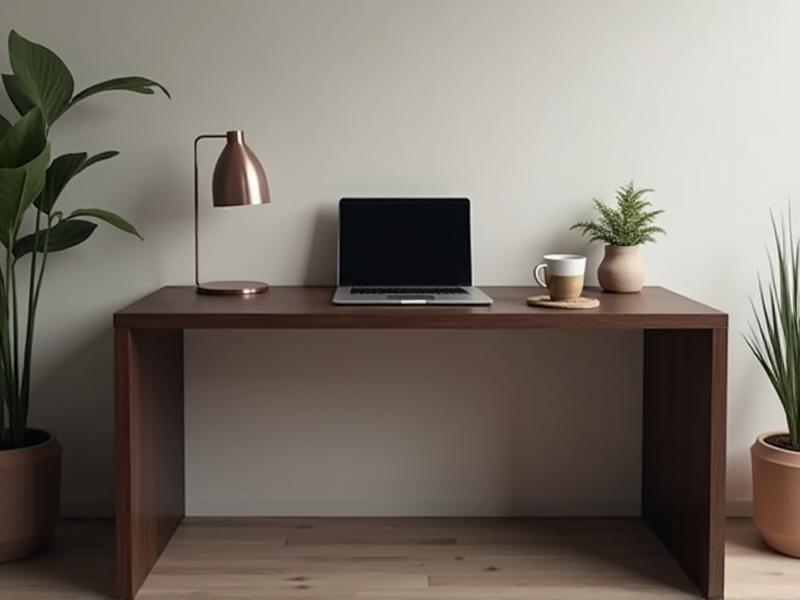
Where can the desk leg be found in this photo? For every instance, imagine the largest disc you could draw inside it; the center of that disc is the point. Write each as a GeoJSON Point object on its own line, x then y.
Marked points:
{"type": "Point", "coordinates": [683, 460]}
{"type": "Point", "coordinates": [148, 367]}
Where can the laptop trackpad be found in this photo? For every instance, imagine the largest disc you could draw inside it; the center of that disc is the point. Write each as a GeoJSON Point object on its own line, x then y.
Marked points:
{"type": "Point", "coordinates": [411, 297]}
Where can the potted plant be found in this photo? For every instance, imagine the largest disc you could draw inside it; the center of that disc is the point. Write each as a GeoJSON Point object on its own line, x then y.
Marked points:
{"type": "Point", "coordinates": [775, 341]}
{"type": "Point", "coordinates": [41, 88]}
{"type": "Point", "coordinates": [623, 230]}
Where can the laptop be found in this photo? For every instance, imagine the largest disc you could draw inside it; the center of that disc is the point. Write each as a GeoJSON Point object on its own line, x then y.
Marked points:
{"type": "Point", "coordinates": [405, 251]}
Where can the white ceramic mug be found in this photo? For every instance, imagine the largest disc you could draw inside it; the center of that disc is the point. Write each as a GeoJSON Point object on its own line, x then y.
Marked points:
{"type": "Point", "coordinates": [562, 275]}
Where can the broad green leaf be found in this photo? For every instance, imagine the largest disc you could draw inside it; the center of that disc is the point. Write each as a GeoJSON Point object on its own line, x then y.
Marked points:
{"type": "Point", "coordinates": [42, 76]}
{"type": "Point", "coordinates": [18, 98]}
{"type": "Point", "coordinates": [23, 141]}
{"type": "Point", "coordinates": [107, 216]}
{"type": "Point", "coordinates": [18, 188]}
{"type": "Point", "coordinates": [63, 235]}
{"type": "Point", "coordinates": [34, 182]}
{"type": "Point", "coordinates": [99, 157]}
{"type": "Point", "coordinates": [60, 171]}
{"type": "Point", "coordinates": [140, 85]}
{"type": "Point", "coordinates": [24, 155]}
{"type": "Point", "coordinates": [12, 188]}
{"type": "Point", "coordinates": [4, 126]}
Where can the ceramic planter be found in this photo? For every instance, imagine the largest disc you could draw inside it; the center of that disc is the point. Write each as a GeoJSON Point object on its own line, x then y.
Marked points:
{"type": "Point", "coordinates": [30, 484]}
{"type": "Point", "coordinates": [776, 489]}
{"type": "Point", "coordinates": [621, 270]}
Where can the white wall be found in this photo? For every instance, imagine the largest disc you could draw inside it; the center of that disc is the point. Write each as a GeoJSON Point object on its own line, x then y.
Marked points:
{"type": "Point", "coordinates": [530, 109]}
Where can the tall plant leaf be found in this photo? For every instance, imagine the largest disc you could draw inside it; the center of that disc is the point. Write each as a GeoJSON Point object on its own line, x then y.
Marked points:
{"type": "Point", "coordinates": [63, 235]}
{"type": "Point", "coordinates": [107, 216]}
{"type": "Point", "coordinates": [18, 188]}
{"type": "Point", "coordinates": [15, 93]}
{"type": "Point", "coordinates": [42, 76]}
{"type": "Point", "coordinates": [99, 157]}
{"type": "Point", "coordinates": [24, 154]}
{"type": "Point", "coordinates": [60, 171]}
{"type": "Point", "coordinates": [12, 188]}
{"type": "Point", "coordinates": [34, 182]}
{"type": "Point", "coordinates": [4, 126]}
{"type": "Point", "coordinates": [775, 338]}
{"type": "Point", "coordinates": [140, 85]}
{"type": "Point", "coordinates": [23, 141]}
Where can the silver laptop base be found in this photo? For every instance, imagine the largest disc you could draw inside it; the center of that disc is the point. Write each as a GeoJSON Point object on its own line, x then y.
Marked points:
{"type": "Point", "coordinates": [472, 297]}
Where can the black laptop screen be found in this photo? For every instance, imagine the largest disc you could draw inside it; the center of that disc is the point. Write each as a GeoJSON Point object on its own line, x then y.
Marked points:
{"type": "Point", "coordinates": [404, 242]}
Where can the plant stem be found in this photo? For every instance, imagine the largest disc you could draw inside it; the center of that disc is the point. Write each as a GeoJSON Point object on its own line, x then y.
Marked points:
{"type": "Point", "coordinates": [35, 285]}
{"type": "Point", "coordinates": [15, 438]}
{"type": "Point", "coordinates": [14, 315]}
{"type": "Point", "coordinates": [41, 276]}
{"type": "Point", "coordinates": [4, 397]}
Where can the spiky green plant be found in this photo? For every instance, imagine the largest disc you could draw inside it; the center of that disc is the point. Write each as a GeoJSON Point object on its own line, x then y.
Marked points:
{"type": "Point", "coordinates": [630, 224]}
{"type": "Point", "coordinates": [41, 89]}
{"type": "Point", "coordinates": [775, 337]}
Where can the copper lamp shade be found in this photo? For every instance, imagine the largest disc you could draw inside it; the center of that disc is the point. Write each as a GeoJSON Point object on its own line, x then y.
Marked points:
{"type": "Point", "coordinates": [238, 180]}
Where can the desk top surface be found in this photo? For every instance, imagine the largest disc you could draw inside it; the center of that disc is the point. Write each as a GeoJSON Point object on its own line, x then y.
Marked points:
{"type": "Point", "coordinates": [297, 307]}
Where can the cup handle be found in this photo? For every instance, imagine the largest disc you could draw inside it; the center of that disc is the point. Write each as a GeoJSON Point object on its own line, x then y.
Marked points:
{"type": "Point", "coordinates": [536, 274]}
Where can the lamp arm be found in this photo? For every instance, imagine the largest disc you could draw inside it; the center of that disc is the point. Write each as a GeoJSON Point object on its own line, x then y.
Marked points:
{"type": "Point", "coordinates": [197, 205]}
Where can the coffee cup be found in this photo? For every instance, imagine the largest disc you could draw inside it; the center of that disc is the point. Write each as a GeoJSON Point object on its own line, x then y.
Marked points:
{"type": "Point", "coordinates": [562, 275]}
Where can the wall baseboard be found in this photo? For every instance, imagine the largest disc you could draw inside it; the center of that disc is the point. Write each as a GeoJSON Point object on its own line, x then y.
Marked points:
{"type": "Point", "coordinates": [742, 507]}
{"type": "Point", "coordinates": [94, 508]}
{"type": "Point", "coordinates": [199, 505]}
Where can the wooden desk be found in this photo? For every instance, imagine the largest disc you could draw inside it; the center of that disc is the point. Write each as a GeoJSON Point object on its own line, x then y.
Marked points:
{"type": "Point", "coordinates": [684, 396]}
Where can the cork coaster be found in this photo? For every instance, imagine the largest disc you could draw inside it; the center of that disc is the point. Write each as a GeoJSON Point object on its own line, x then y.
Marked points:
{"type": "Point", "coordinates": [576, 304]}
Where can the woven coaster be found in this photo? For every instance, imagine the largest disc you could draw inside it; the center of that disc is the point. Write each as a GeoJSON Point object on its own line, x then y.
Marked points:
{"type": "Point", "coordinates": [576, 304]}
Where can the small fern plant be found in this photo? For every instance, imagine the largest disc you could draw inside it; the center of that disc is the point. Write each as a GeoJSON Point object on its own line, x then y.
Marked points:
{"type": "Point", "coordinates": [629, 224]}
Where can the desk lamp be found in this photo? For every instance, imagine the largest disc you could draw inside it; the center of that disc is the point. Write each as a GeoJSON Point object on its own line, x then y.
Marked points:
{"type": "Point", "coordinates": [239, 180]}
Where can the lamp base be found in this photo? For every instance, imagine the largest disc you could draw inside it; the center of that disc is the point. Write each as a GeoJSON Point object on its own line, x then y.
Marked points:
{"type": "Point", "coordinates": [232, 288]}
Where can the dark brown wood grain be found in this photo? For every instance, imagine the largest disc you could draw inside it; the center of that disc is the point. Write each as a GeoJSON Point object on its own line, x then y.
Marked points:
{"type": "Point", "coordinates": [685, 358]}
{"type": "Point", "coordinates": [149, 445]}
{"type": "Point", "coordinates": [311, 308]}
{"type": "Point", "coordinates": [683, 453]}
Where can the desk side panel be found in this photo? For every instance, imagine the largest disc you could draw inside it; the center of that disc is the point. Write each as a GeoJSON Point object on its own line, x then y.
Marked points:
{"type": "Point", "coordinates": [683, 478]}
{"type": "Point", "coordinates": [150, 449]}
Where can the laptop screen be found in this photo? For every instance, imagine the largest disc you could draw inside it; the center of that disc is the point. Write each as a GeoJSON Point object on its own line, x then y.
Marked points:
{"type": "Point", "coordinates": [393, 241]}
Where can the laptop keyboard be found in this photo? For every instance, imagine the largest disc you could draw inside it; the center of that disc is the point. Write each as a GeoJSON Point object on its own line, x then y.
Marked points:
{"type": "Point", "coordinates": [408, 290]}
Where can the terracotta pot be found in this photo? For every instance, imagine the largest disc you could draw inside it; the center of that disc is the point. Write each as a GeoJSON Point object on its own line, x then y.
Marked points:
{"type": "Point", "coordinates": [776, 489]}
{"type": "Point", "coordinates": [621, 270]}
{"type": "Point", "coordinates": [30, 484]}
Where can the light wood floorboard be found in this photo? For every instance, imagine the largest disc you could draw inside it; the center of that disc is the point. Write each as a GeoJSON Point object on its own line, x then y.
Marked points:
{"type": "Point", "coordinates": [398, 559]}
{"type": "Point", "coordinates": [753, 570]}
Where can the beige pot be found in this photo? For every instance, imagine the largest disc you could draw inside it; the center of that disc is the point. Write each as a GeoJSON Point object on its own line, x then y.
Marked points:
{"type": "Point", "coordinates": [621, 269]}
{"type": "Point", "coordinates": [776, 489]}
{"type": "Point", "coordinates": [30, 484]}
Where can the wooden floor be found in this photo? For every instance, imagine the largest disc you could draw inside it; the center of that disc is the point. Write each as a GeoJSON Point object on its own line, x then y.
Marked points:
{"type": "Point", "coordinates": [398, 559]}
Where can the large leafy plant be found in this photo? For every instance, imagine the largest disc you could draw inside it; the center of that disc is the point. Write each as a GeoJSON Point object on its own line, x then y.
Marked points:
{"type": "Point", "coordinates": [775, 337]}
{"type": "Point", "coordinates": [42, 90]}
{"type": "Point", "coordinates": [629, 224]}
